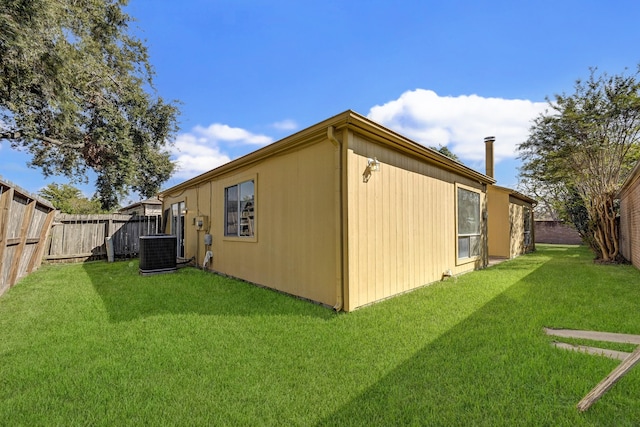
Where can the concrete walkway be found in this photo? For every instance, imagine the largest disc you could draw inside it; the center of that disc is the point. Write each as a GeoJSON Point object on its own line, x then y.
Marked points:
{"type": "Point", "coordinates": [595, 336]}
{"type": "Point", "coordinates": [629, 360]}
{"type": "Point", "coordinates": [611, 354]}
{"type": "Point", "coordinates": [493, 260]}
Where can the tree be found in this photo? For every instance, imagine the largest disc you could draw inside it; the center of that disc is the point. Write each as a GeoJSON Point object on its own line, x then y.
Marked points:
{"type": "Point", "coordinates": [76, 92]}
{"type": "Point", "coordinates": [550, 198]}
{"type": "Point", "coordinates": [68, 199]}
{"type": "Point", "coordinates": [444, 150]}
{"type": "Point", "coordinates": [587, 143]}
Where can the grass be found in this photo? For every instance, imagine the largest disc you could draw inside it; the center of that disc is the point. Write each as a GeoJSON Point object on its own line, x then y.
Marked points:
{"type": "Point", "coordinates": [97, 344]}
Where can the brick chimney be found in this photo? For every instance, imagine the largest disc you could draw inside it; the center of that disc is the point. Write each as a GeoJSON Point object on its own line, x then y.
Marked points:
{"type": "Point", "coordinates": [488, 145]}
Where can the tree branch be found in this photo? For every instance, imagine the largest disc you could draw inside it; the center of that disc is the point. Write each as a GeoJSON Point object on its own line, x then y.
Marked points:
{"type": "Point", "coordinates": [17, 135]}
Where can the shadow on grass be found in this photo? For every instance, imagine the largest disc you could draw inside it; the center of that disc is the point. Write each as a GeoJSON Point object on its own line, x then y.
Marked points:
{"type": "Point", "coordinates": [127, 295]}
{"type": "Point", "coordinates": [497, 367]}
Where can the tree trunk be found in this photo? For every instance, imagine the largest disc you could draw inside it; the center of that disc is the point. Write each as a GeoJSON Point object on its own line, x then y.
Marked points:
{"type": "Point", "coordinates": [605, 227]}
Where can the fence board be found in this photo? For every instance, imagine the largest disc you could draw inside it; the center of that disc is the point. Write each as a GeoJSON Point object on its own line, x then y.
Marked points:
{"type": "Point", "coordinates": [24, 226]}
{"type": "Point", "coordinates": [45, 228]}
{"type": "Point", "coordinates": [6, 197]}
{"type": "Point", "coordinates": [18, 261]}
{"type": "Point", "coordinates": [82, 237]}
{"type": "Point", "coordinates": [30, 230]}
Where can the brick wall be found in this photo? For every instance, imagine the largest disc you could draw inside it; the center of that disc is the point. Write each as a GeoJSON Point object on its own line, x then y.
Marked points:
{"type": "Point", "coordinates": [630, 223]}
{"type": "Point", "coordinates": [556, 232]}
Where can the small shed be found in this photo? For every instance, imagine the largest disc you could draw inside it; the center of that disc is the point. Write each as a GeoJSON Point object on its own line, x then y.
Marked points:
{"type": "Point", "coordinates": [346, 213]}
{"type": "Point", "coordinates": [149, 207]}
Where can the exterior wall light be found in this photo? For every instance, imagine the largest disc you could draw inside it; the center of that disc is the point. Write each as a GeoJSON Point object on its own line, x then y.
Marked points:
{"type": "Point", "coordinates": [373, 165]}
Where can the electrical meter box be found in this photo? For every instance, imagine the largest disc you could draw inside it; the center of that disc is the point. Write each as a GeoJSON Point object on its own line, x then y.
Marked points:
{"type": "Point", "coordinates": [202, 222]}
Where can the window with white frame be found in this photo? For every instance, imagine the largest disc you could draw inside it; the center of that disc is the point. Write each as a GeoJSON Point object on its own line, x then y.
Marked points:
{"type": "Point", "coordinates": [178, 212]}
{"type": "Point", "coordinates": [239, 212]}
{"type": "Point", "coordinates": [469, 224]}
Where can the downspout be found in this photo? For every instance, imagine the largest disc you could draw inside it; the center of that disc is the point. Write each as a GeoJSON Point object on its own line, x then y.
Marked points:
{"type": "Point", "coordinates": [490, 172]}
{"type": "Point", "coordinates": [485, 226]}
{"type": "Point", "coordinates": [339, 216]}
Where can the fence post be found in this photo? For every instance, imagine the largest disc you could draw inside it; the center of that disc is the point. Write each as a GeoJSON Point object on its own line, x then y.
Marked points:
{"type": "Point", "coordinates": [5, 209]}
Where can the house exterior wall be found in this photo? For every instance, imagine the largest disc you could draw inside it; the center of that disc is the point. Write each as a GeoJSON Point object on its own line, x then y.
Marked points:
{"type": "Point", "coordinates": [630, 221]}
{"type": "Point", "coordinates": [322, 232]}
{"type": "Point", "coordinates": [152, 210]}
{"type": "Point", "coordinates": [507, 223]}
{"type": "Point", "coordinates": [519, 211]}
{"type": "Point", "coordinates": [401, 223]}
{"type": "Point", "coordinates": [143, 209]}
{"type": "Point", "coordinates": [499, 230]}
{"type": "Point", "coordinates": [295, 244]}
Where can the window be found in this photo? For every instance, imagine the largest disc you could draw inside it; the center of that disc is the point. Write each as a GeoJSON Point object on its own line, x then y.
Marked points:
{"type": "Point", "coordinates": [178, 211]}
{"type": "Point", "coordinates": [527, 226]}
{"type": "Point", "coordinates": [468, 223]}
{"type": "Point", "coordinates": [239, 214]}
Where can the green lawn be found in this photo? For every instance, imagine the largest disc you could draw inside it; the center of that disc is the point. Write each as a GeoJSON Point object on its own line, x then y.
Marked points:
{"type": "Point", "coordinates": [98, 344]}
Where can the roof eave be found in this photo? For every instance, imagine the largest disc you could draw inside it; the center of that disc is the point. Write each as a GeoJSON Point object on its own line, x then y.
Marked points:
{"type": "Point", "coordinates": [349, 119]}
{"type": "Point", "coordinates": [517, 194]}
{"type": "Point", "coordinates": [377, 131]}
{"type": "Point", "coordinates": [634, 175]}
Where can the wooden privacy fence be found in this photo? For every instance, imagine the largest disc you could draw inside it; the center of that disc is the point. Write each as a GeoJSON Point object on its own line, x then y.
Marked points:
{"type": "Point", "coordinates": [82, 237]}
{"type": "Point", "coordinates": [24, 225]}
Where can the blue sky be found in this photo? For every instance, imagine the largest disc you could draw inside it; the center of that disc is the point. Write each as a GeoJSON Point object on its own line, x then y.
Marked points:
{"type": "Point", "coordinates": [250, 72]}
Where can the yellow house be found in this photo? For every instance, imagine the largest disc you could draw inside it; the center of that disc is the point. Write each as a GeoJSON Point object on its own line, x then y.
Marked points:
{"type": "Point", "coordinates": [344, 213]}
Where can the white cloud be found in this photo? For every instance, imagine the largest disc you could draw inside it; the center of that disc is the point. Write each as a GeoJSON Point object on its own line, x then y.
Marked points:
{"type": "Point", "coordinates": [286, 124]}
{"type": "Point", "coordinates": [461, 122]}
{"type": "Point", "coordinates": [220, 132]}
{"type": "Point", "coordinates": [205, 148]}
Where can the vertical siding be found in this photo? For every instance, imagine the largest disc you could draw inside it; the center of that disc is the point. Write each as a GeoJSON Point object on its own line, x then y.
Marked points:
{"type": "Point", "coordinates": [517, 232]}
{"type": "Point", "coordinates": [506, 224]}
{"type": "Point", "coordinates": [499, 233]}
{"type": "Point", "coordinates": [295, 246]}
{"type": "Point", "coordinates": [517, 209]}
{"type": "Point", "coordinates": [400, 225]}
{"type": "Point", "coordinates": [401, 230]}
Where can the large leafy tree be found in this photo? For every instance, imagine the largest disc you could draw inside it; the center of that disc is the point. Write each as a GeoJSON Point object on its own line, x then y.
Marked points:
{"type": "Point", "coordinates": [585, 144]}
{"type": "Point", "coordinates": [69, 199]}
{"type": "Point", "coordinates": [550, 198]}
{"type": "Point", "coordinates": [76, 91]}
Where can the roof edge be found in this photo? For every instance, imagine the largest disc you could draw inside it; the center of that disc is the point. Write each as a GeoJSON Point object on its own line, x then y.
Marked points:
{"type": "Point", "coordinates": [264, 152]}
{"type": "Point", "coordinates": [517, 194]}
{"type": "Point", "coordinates": [349, 119]}
{"type": "Point", "coordinates": [374, 129]}
{"type": "Point", "coordinates": [634, 175]}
